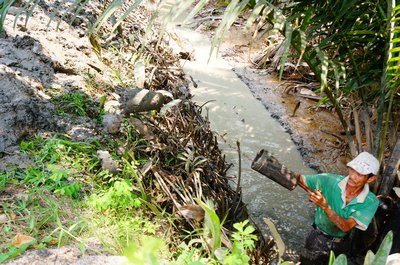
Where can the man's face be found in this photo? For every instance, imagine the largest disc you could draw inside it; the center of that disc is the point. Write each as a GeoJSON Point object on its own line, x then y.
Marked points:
{"type": "Point", "coordinates": [358, 180]}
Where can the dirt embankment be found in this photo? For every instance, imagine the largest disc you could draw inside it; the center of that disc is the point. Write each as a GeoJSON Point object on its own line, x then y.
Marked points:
{"type": "Point", "coordinates": [39, 65]}
{"type": "Point", "coordinates": [36, 64]}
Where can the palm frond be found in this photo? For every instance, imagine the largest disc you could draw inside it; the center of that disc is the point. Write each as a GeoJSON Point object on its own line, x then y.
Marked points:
{"type": "Point", "coordinates": [286, 46]}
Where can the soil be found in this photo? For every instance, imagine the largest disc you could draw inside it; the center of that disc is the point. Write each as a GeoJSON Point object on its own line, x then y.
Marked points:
{"type": "Point", "coordinates": [36, 63]}
{"type": "Point", "coordinates": [36, 60]}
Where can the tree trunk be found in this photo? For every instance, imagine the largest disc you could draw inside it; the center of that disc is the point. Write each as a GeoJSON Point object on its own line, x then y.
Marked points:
{"type": "Point", "coordinates": [390, 174]}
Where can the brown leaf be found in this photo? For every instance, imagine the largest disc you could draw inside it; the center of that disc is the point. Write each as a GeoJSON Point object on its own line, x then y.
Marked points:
{"type": "Point", "coordinates": [13, 216]}
{"type": "Point", "coordinates": [21, 239]}
{"type": "Point", "coordinates": [193, 211]}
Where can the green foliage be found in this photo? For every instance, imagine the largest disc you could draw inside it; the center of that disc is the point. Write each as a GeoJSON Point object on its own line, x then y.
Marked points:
{"type": "Point", "coordinates": [337, 40]}
{"type": "Point", "coordinates": [119, 196]}
{"type": "Point", "coordinates": [243, 243]}
{"type": "Point", "coordinates": [146, 253]}
{"type": "Point", "coordinates": [231, 13]}
{"type": "Point", "coordinates": [54, 179]}
{"type": "Point", "coordinates": [3, 180]}
{"type": "Point", "coordinates": [130, 169]}
{"type": "Point", "coordinates": [73, 103]}
{"type": "Point", "coordinates": [147, 250]}
{"type": "Point", "coordinates": [212, 225]}
{"type": "Point", "coordinates": [101, 109]}
{"type": "Point", "coordinates": [118, 230]}
{"type": "Point", "coordinates": [13, 252]}
{"type": "Point", "coordinates": [383, 252]}
{"type": "Point", "coordinates": [36, 214]}
{"type": "Point", "coordinates": [340, 260]}
{"type": "Point", "coordinates": [76, 155]}
{"type": "Point", "coordinates": [73, 8]}
{"type": "Point", "coordinates": [65, 235]}
{"type": "Point", "coordinates": [7, 177]}
{"type": "Point", "coordinates": [112, 7]}
{"type": "Point", "coordinates": [370, 259]}
{"type": "Point", "coordinates": [192, 161]}
{"type": "Point", "coordinates": [190, 256]}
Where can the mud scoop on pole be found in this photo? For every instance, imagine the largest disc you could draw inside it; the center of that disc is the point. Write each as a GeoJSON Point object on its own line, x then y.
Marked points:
{"type": "Point", "coordinates": [270, 167]}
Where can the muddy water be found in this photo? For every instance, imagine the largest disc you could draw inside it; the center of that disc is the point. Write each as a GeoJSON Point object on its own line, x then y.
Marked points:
{"type": "Point", "coordinates": [235, 115]}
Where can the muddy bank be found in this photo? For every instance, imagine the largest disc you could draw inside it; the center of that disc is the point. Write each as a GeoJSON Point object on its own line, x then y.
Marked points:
{"type": "Point", "coordinates": [41, 69]}
{"type": "Point", "coordinates": [36, 66]}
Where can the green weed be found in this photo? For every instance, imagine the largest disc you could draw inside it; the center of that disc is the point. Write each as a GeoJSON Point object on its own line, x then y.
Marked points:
{"type": "Point", "coordinates": [12, 252]}
{"type": "Point", "coordinates": [80, 156]}
{"type": "Point", "coordinates": [117, 197]}
{"type": "Point", "coordinates": [118, 77]}
{"type": "Point", "coordinates": [379, 258]}
{"type": "Point", "coordinates": [118, 229]}
{"type": "Point", "coordinates": [102, 111]}
{"type": "Point", "coordinates": [192, 161]}
{"type": "Point", "coordinates": [243, 243]}
{"type": "Point", "coordinates": [146, 253]}
{"type": "Point", "coordinates": [6, 177]}
{"type": "Point", "coordinates": [37, 214]}
{"type": "Point", "coordinates": [54, 179]}
{"type": "Point", "coordinates": [72, 103]}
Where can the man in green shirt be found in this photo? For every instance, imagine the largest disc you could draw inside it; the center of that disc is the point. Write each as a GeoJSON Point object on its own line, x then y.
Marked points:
{"type": "Point", "coordinates": [344, 203]}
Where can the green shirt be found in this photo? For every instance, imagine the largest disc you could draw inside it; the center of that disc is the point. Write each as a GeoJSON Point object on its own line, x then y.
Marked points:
{"type": "Point", "coordinates": [361, 208]}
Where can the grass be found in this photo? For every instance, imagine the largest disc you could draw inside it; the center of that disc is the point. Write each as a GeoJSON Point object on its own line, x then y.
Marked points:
{"type": "Point", "coordinates": [48, 198]}
{"type": "Point", "coordinates": [78, 104]}
{"type": "Point", "coordinates": [65, 197]}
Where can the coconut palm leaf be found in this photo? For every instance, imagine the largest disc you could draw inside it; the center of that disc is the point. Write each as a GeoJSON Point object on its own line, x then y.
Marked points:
{"type": "Point", "coordinates": [181, 8]}
{"type": "Point", "coordinates": [286, 46]}
{"type": "Point", "coordinates": [29, 6]}
{"type": "Point", "coordinates": [199, 6]}
{"type": "Point", "coordinates": [254, 14]}
{"type": "Point", "coordinates": [391, 87]}
{"type": "Point", "coordinates": [75, 9]}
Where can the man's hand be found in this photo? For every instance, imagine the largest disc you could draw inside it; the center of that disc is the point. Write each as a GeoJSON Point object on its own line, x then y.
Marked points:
{"type": "Point", "coordinates": [318, 199]}
{"type": "Point", "coordinates": [343, 224]}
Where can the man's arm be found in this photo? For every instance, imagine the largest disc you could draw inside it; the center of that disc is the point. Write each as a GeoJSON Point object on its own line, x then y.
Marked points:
{"type": "Point", "coordinates": [318, 199]}
{"type": "Point", "coordinates": [343, 224]}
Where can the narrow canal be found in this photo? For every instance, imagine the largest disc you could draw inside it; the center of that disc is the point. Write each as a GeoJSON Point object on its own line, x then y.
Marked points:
{"type": "Point", "coordinates": [236, 115]}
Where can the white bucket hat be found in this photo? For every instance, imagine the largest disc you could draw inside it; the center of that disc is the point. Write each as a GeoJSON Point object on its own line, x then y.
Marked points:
{"type": "Point", "coordinates": [365, 164]}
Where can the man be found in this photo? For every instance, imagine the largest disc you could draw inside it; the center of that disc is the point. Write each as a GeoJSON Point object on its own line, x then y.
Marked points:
{"type": "Point", "coordinates": [344, 203]}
